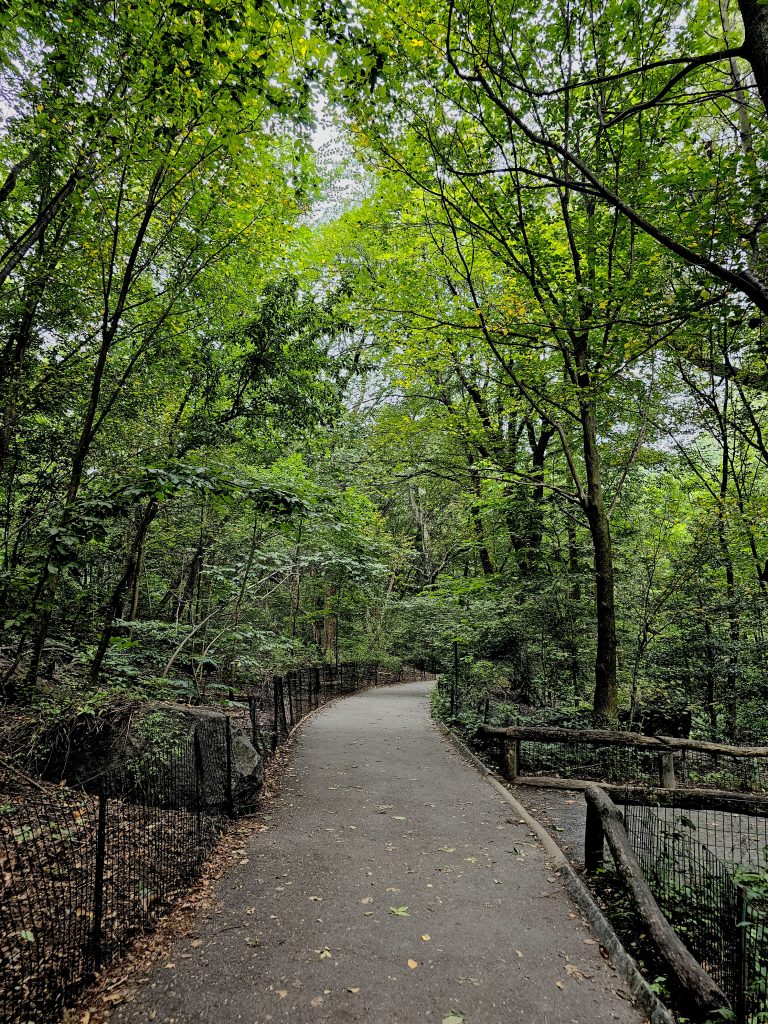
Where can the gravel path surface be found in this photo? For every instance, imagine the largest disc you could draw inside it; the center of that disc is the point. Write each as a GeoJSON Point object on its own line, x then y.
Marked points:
{"type": "Point", "coordinates": [392, 887]}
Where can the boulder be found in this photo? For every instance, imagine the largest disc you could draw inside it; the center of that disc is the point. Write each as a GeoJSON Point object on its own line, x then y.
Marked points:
{"type": "Point", "coordinates": [174, 755]}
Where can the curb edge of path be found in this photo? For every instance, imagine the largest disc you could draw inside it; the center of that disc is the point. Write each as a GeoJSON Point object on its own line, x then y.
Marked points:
{"type": "Point", "coordinates": [641, 992]}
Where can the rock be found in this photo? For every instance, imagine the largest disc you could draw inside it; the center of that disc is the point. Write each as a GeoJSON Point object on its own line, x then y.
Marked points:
{"type": "Point", "coordinates": [169, 754]}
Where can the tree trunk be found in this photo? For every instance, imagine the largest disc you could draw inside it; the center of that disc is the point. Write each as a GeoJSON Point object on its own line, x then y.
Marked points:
{"type": "Point", "coordinates": [330, 621]}
{"type": "Point", "coordinates": [710, 677]}
{"type": "Point", "coordinates": [129, 574]}
{"type": "Point", "coordinates": [605, 707]}
{"type": "Point", "coordinates": [754, 14]}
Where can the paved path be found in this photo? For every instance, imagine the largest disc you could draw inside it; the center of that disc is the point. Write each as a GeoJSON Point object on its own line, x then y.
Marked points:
{"type": "Point", "coordinates": [379, 812]}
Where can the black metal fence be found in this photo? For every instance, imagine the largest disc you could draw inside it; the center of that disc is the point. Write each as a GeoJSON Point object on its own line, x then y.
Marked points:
{"type": "Point", "coordinates": [275, 706]}
{"type": "Point", "coordinates": [84, 872]}
{"type": "Point", "coordinates": [709, 900]}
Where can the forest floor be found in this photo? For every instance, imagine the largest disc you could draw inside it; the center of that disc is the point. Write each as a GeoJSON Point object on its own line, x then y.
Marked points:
{"type": "Point", "coordinates": [391, 885]}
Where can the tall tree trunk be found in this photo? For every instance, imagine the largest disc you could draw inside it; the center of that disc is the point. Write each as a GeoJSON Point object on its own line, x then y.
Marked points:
{"type": "Point", "coordinates": [478, 527]}
{"type": "Point", "coordinates": [330, 620]}
{"type": "Point", "coordinates": [129, 574]}
{"type": "Point", "coordinates": [605, 707]}
{"type": "Point", "coordinates": [754, 14]}
{"type": "Point", "coordinates": [710, 676]}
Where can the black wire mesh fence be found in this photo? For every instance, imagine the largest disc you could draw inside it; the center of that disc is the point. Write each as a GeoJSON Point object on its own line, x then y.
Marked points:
{"type": "Point", "coordinates": [471, 698]}
{"type": "Point", "coordinates": [588, 761]}
{"type": "Point", "coordinates": [704, 893]}
{"type": "Point", "coordinates": [627, 765]}
{"type": "Point", "coordinates": [468, 700]}
{"type": "Point", "coordinates": [708, 869]}
{"type": "Point", "coordinates": [84, 872]}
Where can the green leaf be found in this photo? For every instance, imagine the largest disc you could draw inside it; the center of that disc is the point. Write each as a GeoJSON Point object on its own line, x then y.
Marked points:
{"type": "Point", "coordinates": [399, 911]}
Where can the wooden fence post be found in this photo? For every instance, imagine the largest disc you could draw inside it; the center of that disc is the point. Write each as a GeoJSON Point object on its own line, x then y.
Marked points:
{"type": "Point", "coordinates": [594, 840]}
{"type": "Point", "coordinates": [667, 770]}
{"type": "Point", "coordinates": [511, 749]}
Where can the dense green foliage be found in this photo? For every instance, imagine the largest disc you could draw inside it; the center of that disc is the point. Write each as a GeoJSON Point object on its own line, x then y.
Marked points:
{"type": "Point", "coordinates": [492, 371]}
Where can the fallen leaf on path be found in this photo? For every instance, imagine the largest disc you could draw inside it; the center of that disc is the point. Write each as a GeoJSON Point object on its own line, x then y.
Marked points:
{"type": "Point", "coordinates": [399, 911]}
{"type": "Point", "coordinates": [317, 899]}
{"type": "Point", "coordinates": [368, 913]}
{"type": "Point", "coordinates": [412, 964]}
{"type": "Point", "coordinates": [281, 993]}
{"type": "Point", "coordinates": [397, 817]}
{"type": "Point", "coordinates": [367, 899]}
{"type": "Point", "coordinates": [519, 953]}
{"type": "Point", "coordinates": [383, 808]}
{"type": "Point", "coordinates": [454, 1017]}
{"type": "Point", "coordinates": [324, 953]}
{"type": "Point", "coordinates": [425, 938]}
{"type": "Point", "coordinates": [391, 890]}
{"type": "Point", "coordinates": [169, 966]}
{"type": "Point", "coordinates": [560, 984]}
{"type": "Point", "coordinates": [448, 849]}
{"type": "Point", "coordinates": [317, 1001]}
{"type": "Point", "coordinates": [196, 943]}
{"type": "Point", "coordinates": [354, 991]}
{"type": "Point", "coordinates": [573, 971]}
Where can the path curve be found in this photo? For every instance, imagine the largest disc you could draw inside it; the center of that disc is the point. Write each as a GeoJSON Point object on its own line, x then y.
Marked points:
{"type": "Point", "coordinates": [379, 811]}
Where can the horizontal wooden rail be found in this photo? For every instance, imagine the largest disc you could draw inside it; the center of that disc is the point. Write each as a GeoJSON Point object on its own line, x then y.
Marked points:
{"type": "Point", "coordinates": [655, 796]}
{"type": "Point", "coordinates": [604, 821]}
{"type": "Point", "coordinates": [608, 738]}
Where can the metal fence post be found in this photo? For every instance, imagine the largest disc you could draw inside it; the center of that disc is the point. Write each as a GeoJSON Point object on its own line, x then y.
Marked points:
{"type": "Point", "coordinates": [455, 679]}
{"type": "Point", "coordinates": [97, 936]}
{"type": "Point", "coordinates": [228, 789]}
{"type": "Point", "coordinates": [289, 684]}
{"type": "Point", "coordinates": [252, 713]}
{"type": "Point", "coordinates": [275, 719]}
{"type": "Point", "coordinates": [281, 703]}
{"type": "Point", "coordinates": [740, 1002]}
{"type": "Point", "coordinates": [197, 751]}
